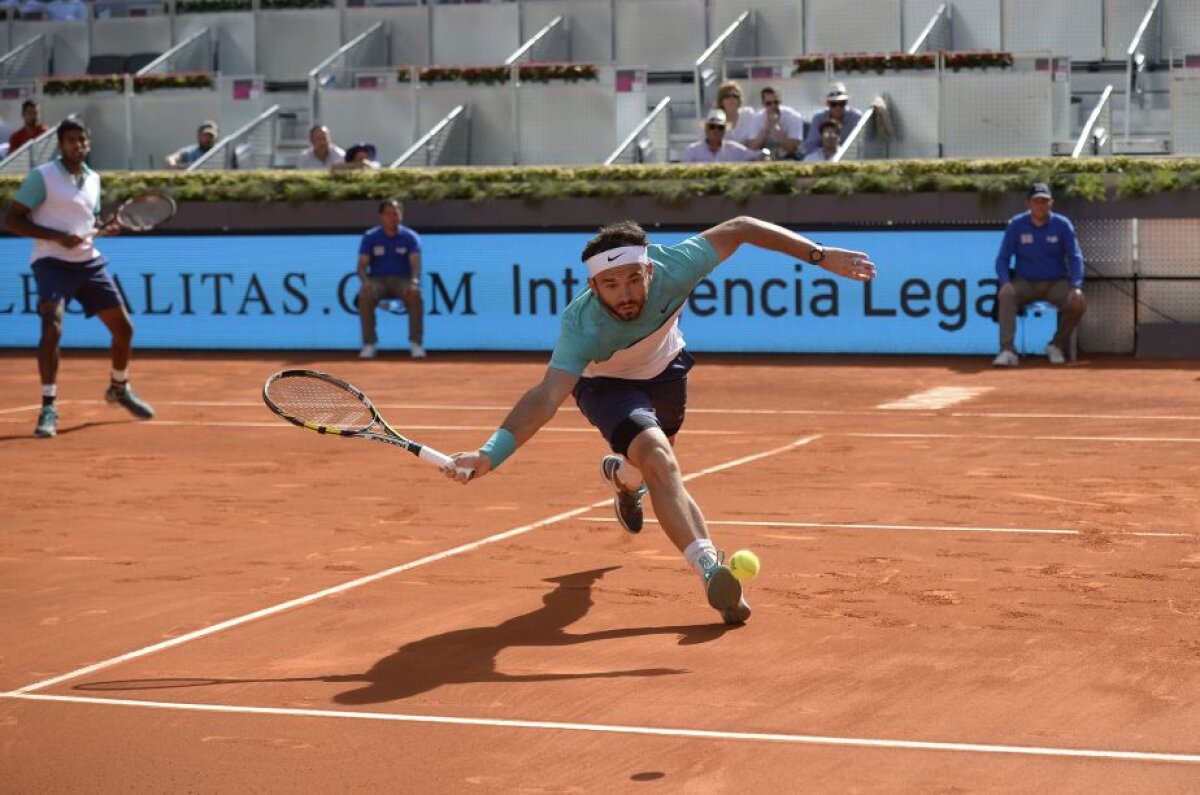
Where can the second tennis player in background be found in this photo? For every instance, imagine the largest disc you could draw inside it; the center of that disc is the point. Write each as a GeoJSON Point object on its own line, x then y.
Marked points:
{"type": "Point", "coordinates": [621, 353]}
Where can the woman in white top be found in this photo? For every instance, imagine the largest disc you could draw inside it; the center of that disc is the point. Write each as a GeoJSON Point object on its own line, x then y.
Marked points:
{"type": "Point", "coordinates": [743, 121]}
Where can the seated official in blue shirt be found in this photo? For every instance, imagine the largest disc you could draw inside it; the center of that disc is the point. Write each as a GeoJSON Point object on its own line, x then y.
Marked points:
{"type": "Point", "coordinates": [389, 266]}
{"type": "Point", "coordinates": [1049, 267]}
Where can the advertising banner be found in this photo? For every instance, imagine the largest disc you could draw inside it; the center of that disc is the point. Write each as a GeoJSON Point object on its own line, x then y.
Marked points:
{"type": "Point", "coordinates": [935, 294]}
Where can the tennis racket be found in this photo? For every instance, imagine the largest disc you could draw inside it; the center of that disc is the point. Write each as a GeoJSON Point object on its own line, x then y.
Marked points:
{"type": "Point", "coordinates": [325, 404]}
{"type": "Point", "coordinates": [142, 213]}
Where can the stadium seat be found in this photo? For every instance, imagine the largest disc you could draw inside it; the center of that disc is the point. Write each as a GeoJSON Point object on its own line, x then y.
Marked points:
{"type": "Point", "coordinates": [106, 65]}
{"type": "Point", "coordinates": [140, 60]}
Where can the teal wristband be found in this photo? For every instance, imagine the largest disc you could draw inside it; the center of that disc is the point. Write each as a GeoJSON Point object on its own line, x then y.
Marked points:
{"type": "Point", "coordinates": [499, 447]}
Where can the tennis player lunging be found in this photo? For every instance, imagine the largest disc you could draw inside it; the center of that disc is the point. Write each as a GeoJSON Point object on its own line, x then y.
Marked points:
{"type": "Point", "coordinates": [621, 353]}
{"type": "Point", "coordinates": [57, 206]}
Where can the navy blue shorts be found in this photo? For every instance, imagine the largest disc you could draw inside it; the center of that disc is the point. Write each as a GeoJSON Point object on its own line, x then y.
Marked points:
{"type": "Point", "coordinates": [622, 409]}
{"type": "Point", "coordinates": [89, 283]}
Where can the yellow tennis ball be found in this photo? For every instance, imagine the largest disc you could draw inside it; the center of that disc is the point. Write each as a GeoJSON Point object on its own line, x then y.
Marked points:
{"type": "Point", "coordinates": [744, 565]}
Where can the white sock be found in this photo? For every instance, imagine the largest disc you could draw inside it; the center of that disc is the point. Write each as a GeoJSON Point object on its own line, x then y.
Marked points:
{"type": "Point", "coordinates": [49, 390]}
{"type": "Point", "coordinates": [628, 475]}
{"type": "Point", "coordinates": [700, 554]}
{"type": "Point", "coordinates": [120, 376]}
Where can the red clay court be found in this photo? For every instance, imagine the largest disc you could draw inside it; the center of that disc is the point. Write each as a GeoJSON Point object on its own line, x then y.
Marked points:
{"type": "Point", "coordinates": [972, 580]}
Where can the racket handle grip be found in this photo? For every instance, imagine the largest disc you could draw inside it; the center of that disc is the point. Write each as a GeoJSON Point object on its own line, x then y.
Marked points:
{"type": "Point", "coordinates": [438, 459]}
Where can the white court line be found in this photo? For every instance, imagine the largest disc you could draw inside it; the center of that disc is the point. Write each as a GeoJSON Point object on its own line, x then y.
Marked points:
{"type": "Point", "coordinates": [16, 409]}
{"type": "Point", "coordinates": [701, 734]}
{"type": "Point", "coordinates": [913, 527]}
{"type": "Point", "coordinates": [1037, 416]}
{"type": "Point", "coordinates": [937, 398]}
{"type": "Point", "coordinates": [764, 412]}
{"type": "Point", "coordinates": [265, 424]}
{"type": "Point", "coordinates": [1182, 439]}
{"type": "Point", "coordinates": [370, 578]}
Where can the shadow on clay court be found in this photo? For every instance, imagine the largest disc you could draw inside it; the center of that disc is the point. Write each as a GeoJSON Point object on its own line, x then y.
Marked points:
{"type": "Point", "coordinates": [69, 429]}
{"type": "Point", "coordinates": [464, 656]}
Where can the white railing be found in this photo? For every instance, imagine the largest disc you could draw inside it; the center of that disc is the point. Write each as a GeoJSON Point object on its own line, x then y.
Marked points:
{"type": "Point", "coordinates": [1097, 132]}
{"type": "Point", "coordinates": [193, 54]}
{"type": "Point", "coordinates": [648, 142]}
{"type": "Point", "coordinates": [938, 35]}
{"type": "Point", "coordinates": [448, 143]}
{"type": "Point", "coordinates": [369, 49]}
{"type": "Point", "coordinates": [1144, 48]}
{"type": "Point", "coordinates": [731, 40]}
{"type": "Point", "coordinates": [28, 61]}
{"type": "Point", "coordinates": [551, 43]}
{"type": "Point", "coordinates": [252, 146]}
{"type": "Point", "coordinates": [857, 138]}
{"type": "Point", "coordinates": [32, 153]}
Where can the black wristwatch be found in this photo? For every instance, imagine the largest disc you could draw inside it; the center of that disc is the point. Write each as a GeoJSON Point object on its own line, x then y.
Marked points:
{"type": "Point", "coordinates": [816, 254]}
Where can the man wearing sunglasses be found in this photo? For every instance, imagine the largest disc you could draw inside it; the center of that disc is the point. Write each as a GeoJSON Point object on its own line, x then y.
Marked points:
{"type": "Point", "coordinates": [837, 107]}
{"type": "Point", "coordinates": [781, 128]}
{"type": "Point", "coordinates": [714, 148]}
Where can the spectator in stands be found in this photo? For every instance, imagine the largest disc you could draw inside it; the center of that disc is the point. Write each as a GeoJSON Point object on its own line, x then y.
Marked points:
{"type": "Point", "coordinates": [33, 127]}
{"type": "Point", "coordinates": [1049, 268]}
{"type": "Point", "coordinates": [66, 9]}
{"type": "Point", "coordinates": [206, 138]}
{"type": "Point", "coordinates": [359, 156]}
{"type": "Point", "coordinates": [837, 107]}
{"type": "Point", "coordinates": [831, 136]}
{"type": "Point", "coordinates": [714, 148]}
{"type": "Point", "coordinates": [389, 266]}
{"type": "Point", "coordinates": [780, 128]}
{"type": "Point", "coordinates": [323, 154]}
{"type": "Point", "coordinates": [742, 120]}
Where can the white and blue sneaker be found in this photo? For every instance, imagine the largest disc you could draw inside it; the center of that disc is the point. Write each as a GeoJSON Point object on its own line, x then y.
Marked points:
{"type": "Point", "coordinates": [627, 504]}
{"type": "Point", "coordinates": [724, 592]}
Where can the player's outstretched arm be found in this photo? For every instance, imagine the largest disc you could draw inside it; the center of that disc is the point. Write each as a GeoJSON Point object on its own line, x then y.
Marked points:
{"type": "Point", "coordinates": [726, 237]}
{"type": "Point", "coordinates": [535, 408]}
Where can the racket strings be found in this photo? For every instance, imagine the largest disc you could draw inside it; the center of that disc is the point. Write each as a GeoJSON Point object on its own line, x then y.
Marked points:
{"type": "Point", "coordinates": [145, 212]}
{"type": "Point", "coordinates": [320, 402]}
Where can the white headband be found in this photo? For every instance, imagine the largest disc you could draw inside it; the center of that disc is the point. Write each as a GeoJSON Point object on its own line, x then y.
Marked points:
{"type": "Point", "coordinates": [616, 257]}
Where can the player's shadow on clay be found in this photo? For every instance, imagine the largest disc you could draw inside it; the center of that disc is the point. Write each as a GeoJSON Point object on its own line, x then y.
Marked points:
{"type": "Point", "coordinates": [464, 656]}
{"type": "Point", "coordinates": [68, 429]}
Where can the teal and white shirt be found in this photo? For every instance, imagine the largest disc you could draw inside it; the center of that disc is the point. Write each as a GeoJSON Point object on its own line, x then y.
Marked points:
{"type": "Point", "coordinates": [591, 342]}
{"type": "Point", "coordinates": [63, 201]}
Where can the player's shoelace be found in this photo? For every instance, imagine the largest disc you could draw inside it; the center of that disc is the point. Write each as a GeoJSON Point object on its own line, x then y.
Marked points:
{"type": "Point", "coordinates": [718, 561]}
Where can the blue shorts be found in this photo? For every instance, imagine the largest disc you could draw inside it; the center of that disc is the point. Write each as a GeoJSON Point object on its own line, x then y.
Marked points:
{"type": "Point", "coordinates": [89, 283]}
{"type": "Point", "coordinates": [622, 408]}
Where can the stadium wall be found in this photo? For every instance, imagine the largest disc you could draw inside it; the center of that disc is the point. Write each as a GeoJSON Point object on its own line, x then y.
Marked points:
{"type": "Point", "coordinates": [278, 276]}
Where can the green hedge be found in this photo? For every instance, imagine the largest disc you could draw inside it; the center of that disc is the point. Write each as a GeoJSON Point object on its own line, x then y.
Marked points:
{"type": "Point", "coordinates": [1091, 179]}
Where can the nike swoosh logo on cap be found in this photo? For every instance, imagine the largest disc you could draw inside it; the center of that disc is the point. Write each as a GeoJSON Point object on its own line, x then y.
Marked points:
{"type": "Point", "coordinates": [613, 257]}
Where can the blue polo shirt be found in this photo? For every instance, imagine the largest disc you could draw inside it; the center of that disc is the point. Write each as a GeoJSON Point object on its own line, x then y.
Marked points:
{"type": "Point", "coordinates": [1044, 253]}
{"type": "Point", "coordinates": [389, 254]}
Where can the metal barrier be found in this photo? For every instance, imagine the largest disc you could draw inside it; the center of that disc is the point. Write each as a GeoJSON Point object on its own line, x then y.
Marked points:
{"type": "Point", "coordinates": [648, 142]}
{"type": "Point", "coordinates": [14, 65]}
{"type": "Point", "coordinates": [857, 137]}
{"type": "Point", "coordinates": [33, 153]}
{"type": "Point", "coordinates": [1097, 132]}
{"type": "Point", "coordinates": [370, 49]}
{"type": "Point", "coordinates": [446, 144]}
{"type": "Point", "coordinates": [733, 37]}
{"type": "Point", "coordinates": [1143, 49]}
{"type": "Point", "coordinates": [252, 146]}
{"type": "Point", "coordinates": [551, 43]}
{"type": "Point", "coordinates": [938, 35]}
{"type": "Point", "coordinates": [193, 54]}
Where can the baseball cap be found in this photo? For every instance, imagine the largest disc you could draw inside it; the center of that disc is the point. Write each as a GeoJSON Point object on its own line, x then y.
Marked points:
{"type": "Point", "coordinates": [1040, 190]}
{"type": "Point", "coordinates": [208, 126]}
{"type": "Point", "coordinates": [360, 147]}
{"type": "Point", "coordinates": [837, 93]}
{"type": "Point", "coordinates": [716, 116]}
